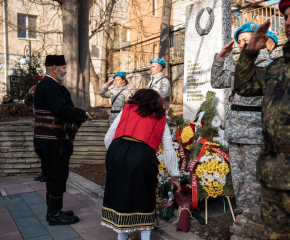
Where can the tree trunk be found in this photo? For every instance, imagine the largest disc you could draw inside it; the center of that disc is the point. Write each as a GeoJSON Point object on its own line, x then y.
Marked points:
{"type": "Point", "coordinates": [83, 84]}
{"type": "Point", "coordinates": [70, 45]}
{"type": "Point", "coordinates": [96, 86]}
{"type": "Point", "coordinates": [106, 38]}
{"type": "Point", "coordinates": [164, 49]}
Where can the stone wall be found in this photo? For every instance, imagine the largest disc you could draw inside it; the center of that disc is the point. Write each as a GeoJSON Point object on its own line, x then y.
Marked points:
{"type": "Point", "coordinates": [248, 226]}
{"type": "Point", "coordinates": [17, 154]}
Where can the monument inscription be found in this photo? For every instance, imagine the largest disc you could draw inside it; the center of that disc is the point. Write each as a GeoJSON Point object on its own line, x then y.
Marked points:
{"type": "Point", "coordinates": [207, 30]}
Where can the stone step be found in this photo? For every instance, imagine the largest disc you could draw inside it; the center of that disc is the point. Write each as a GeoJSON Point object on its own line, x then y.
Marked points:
{"type": "Point", "coordinates": [17, 154]}
{"type": "Point", "coordinates": [90, 148]}
{"type": "Point", "coordinates": [8, 134]}
{"type": "Point", "coordinates": [90, 143]}
{"type": "Point", "coordinates": [89, 154]}
{"type": "Point", "coordinates": [12, 138]}
{"type": "Point", "coordinates": [20, 160]}
{"type": "Point", "coordinates": [81, 161]}
{"type": "Point", "coordinates": [97, 134]}
{"type": "Point", "coordinates": [89, 138]}
{"type": "Point", "coordinates": [93, 129]}
{"type": "Point", "coordinates": [18, 165]}
{"type": "Point", "coordinates": [77, 157]}
{"type": "Point", "coordinates": [16, 129]}
{"type": "Point", "coordinates": [11, 144]}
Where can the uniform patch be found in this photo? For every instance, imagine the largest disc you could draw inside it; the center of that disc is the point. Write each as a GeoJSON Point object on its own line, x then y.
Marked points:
{"type": "Point", "coordinates": [252, 26]}
{"type": "Point", "coordinates": [271, 76]}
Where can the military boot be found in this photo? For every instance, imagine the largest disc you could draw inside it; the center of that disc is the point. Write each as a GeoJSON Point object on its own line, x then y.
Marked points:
{"type": "Point", "coordinates": [48, 213]}
{"type": "Point", "coordinates": [57, 217]}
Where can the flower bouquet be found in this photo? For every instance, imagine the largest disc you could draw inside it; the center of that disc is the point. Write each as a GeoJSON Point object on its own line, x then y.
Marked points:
{"type": "Point", "coordinates": [212, 170]}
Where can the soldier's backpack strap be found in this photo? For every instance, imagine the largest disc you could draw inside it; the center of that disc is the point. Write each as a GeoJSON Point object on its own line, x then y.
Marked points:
{"type": "Point", "coordinates": [117, 96]}
{"type": "Point", "coordinates": [156, 82]}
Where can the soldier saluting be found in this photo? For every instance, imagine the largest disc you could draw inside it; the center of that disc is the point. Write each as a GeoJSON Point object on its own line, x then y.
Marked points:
{"type": "Point", "coordinates": [158, 81]}
{"type": "Point", "coordinates": [117, 91]}
{"type": "Point", "coordinates": [273, 166]}
{"type": "Point", "coordinates": [54, 109]}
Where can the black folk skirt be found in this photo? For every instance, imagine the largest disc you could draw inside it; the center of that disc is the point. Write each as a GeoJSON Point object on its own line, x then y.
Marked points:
{"type": "Point", "coordinates": [129, 199]}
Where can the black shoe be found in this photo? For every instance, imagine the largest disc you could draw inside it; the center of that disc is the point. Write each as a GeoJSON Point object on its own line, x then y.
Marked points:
{"type": "Point", "coordinates": [48, 213]}
{"type": "Point", "coordinates": [56, 216]}
{"type": "Point", "coordinates": [43, 179]}
{"type": "Point", "coordinates": [59, 218]}
{"type": "Point", "coordinates": [40, 176]}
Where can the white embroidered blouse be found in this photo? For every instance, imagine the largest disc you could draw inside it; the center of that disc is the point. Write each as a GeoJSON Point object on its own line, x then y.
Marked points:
{"type": "Point", "coordinates": [169, 155]}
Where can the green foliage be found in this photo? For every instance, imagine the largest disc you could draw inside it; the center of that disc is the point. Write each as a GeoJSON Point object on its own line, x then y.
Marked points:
{"type": "Point", "coordinates": [208, 107]}
{"type": "Point", "coordinates": [24, 77]}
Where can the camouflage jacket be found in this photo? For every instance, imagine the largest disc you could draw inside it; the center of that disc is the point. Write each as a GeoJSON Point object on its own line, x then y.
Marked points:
{"type": "Point", "coordinates": [160, 84]}
{"type": "Point", "coordinates": [111, 92]}
{"type": "Point", "coordinates": [241, 126]}
{"type": "Point", "coordinates": [273, 83]}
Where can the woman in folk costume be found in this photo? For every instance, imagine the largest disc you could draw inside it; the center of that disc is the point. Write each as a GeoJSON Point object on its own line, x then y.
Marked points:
{"type": "Point", "coordinates": [131, 163]}
{"type": "Point", "coordinates": [118, 93]}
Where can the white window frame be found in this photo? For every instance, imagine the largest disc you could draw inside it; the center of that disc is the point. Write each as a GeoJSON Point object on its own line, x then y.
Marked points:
{"type": "Point", "coordinates": [154, 7]}
{"type": "Point", "coordinates": [27, 27]}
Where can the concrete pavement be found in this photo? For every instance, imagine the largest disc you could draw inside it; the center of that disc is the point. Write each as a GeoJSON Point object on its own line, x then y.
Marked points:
{"type": "Point", "coordinates": [23, 209]}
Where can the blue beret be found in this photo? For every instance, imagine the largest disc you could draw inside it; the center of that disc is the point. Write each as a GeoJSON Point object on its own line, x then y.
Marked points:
{"type": "Point", "coordinates": [247, 27]}
{"type": "Point", "coordinates": [158, 60]}
{"type": "Point", "coordinates": [120, 74]}
{"type": "Point", "coordinates": [273, 36]}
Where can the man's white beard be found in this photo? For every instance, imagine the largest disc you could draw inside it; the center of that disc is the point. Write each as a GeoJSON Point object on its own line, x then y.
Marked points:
{"type": "Point", "coordinates": [60, 76]}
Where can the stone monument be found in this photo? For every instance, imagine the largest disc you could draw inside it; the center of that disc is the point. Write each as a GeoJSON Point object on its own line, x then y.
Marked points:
{"type": "Point", "coordinates": [207, 29]}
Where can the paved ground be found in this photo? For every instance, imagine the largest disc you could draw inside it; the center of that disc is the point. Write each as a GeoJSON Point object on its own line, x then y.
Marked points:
{"type": "Point", "coordinates": [23, 209]}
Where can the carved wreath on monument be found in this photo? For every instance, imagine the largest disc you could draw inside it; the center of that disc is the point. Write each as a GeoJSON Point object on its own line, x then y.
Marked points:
{"type": "Point", "coordinates": [200, 30]}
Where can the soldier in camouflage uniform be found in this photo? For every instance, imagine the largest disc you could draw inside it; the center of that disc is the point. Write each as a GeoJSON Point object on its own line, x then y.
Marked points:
{"type": "Point", "coordinates": [273, 166]}
{"type": "Point", "coordinates": [243, 124]}
{"type": "Point", "coordinates": [158, 81]}
{"type": "Point", "coordinates": [118, 93]}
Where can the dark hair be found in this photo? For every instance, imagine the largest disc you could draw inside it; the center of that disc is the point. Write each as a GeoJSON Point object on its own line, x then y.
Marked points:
{"type": "Point", "coordinates": [126, 81]}
{"type": "Point", "coordinates": [149, 103]}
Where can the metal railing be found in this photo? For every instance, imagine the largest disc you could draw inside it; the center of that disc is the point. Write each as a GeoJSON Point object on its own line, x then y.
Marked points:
{"type": "Point", "coordinates": [177, 44]}
{"type": "Point", "coordinates": [138, 57]}
{"type": "Point", "coordinates": [259, 16]}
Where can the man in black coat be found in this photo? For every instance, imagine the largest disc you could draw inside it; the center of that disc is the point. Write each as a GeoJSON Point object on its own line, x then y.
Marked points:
{"type": "Point", "coordinates": [54, 109]}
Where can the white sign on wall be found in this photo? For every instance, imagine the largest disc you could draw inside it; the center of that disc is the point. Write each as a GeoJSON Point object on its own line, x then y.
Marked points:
{"type": "Point", "coordinates": [207, 30]}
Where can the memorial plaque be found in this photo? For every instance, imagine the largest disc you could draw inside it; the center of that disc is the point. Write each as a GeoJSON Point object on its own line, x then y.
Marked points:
{"type": "Point", "coordinates": [207, 30]}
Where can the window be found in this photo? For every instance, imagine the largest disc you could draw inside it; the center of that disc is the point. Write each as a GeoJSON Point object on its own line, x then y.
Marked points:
{"type": "Point", "coordinates": [125, 34]}
{"type": "Point", "coordinates": [155, 51]}
{"type": "Point", "coordinates": [154, 8]}
{"type": "Point", "coordinates": [26, 26]}
{"type": "Point", "coordinates": [183, 17]}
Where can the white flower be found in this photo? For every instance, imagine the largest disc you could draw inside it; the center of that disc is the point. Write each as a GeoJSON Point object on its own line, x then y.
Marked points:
{"type": "Point", "coordinates": [210, 177]}
{"type": "Point", "coordinates": [216, 175]}
{"type": "Point", "coordinates": [219, 158]}
{"type": "Point", "coordinates": [203, 159]}
{"type": "Point", "coordinates": [160, 158]}
{"type": "Point", "coordinates": [209, 157]}
{"type": "Point", "coordinates": [220, 179]}
{"type": "Point", "coordinates": [202, 182]}
{"type": "Point", "coordinates": [178, 159]}
{"type": "Point", "coordinates": [175, 145]}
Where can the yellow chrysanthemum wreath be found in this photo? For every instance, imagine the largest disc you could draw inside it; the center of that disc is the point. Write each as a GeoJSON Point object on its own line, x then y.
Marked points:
{"type": "Point", "coordinates": [212, 170]}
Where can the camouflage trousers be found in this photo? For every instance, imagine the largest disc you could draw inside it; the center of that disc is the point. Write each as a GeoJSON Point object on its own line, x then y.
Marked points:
{"type": "Point", "coordinates": [243, 167]}
{"type": "Point", "coordinates": [275, 209]}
